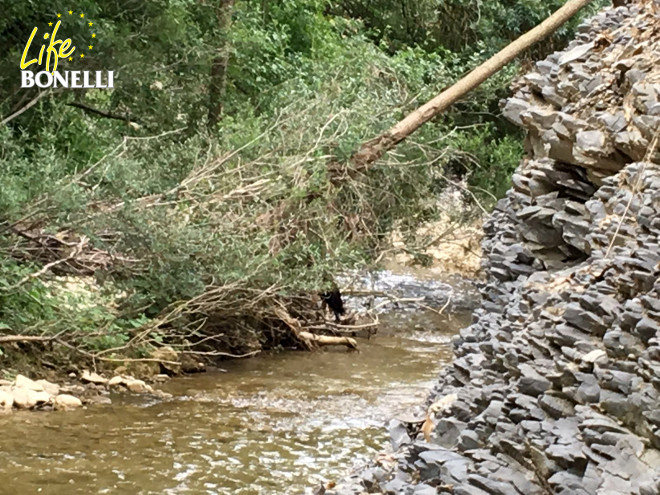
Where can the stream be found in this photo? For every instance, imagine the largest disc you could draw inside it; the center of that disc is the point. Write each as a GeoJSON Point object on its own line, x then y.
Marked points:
{"type": "Point", "coordinates": [276, 424]}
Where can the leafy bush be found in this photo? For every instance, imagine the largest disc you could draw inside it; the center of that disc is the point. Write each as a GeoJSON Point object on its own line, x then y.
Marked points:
{"type": "Point", "coordinates": [241, 217]}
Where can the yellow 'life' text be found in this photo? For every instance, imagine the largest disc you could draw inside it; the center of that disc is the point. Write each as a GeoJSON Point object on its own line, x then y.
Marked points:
{"type": "Point", "coordinates": [65, 49]}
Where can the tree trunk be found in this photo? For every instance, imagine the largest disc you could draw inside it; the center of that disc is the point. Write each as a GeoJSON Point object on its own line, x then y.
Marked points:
{"type": "Point", "coordinates": [218, 80]}
{"type": "Point", "coordinates": [374, 149]}
{"type": "Point", "coordinates": [322, 340]}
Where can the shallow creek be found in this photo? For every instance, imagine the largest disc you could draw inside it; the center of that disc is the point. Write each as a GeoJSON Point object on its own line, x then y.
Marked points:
{"type": "Point", "coordinates": [276, 424]}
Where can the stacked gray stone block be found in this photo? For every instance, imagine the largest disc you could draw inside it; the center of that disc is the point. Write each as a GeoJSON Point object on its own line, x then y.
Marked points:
{"type": "Point", "coordinates": [557, 381]}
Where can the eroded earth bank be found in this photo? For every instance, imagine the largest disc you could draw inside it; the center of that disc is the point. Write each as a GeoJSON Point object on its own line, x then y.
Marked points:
{"type": "Point", "coordinates": [554, 387]}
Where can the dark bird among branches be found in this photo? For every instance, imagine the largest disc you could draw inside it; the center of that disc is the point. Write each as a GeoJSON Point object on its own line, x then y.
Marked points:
{"type": "Point", "coordinates": [332, 299]}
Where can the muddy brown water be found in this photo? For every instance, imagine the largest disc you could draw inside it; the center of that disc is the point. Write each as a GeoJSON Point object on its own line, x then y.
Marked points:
{"type": "Point", "coordinates": [276, 424]}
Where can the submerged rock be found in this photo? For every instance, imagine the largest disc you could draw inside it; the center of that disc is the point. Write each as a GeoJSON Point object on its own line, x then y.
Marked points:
{"type": "Point", "coordinates": [25, 393]}
{"type": "Point", "coordinates": [138, 386]}
{"type": "Point", "coordinates": [117, 380]}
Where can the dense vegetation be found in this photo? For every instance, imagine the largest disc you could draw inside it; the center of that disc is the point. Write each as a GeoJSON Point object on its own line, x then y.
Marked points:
{"type": "Point", "coordinates": [204, 176]}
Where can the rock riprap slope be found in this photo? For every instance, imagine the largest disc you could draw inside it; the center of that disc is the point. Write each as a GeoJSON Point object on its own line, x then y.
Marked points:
{"type": "Point", "coordinates": [556, 385]}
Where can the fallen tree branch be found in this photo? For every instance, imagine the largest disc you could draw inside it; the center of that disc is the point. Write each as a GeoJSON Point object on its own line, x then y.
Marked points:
{"type": "Point", "coordinates": [74, 252]}
{"type": "Point", "coordinates": [29, 105]}
{"type": "Point", "coordinates": [396, 300]}
{"type": "Point", "coordinates": [336, 326]}
{"type": "Point", "coordinates": [323, 340]}
{"type": "Point", "coordinates": [635, 189]}
{"type": "Point", "coordinates": [7, 339]}
{"type": "Point", "coordinates": [95, 357]}
{"type": "Point", "coordinates": [101, 113]}
{"type": "Point", "coordinates": [342, 328]}
{"type": "Point", "coordinates": [374, 149]}
{"type": "Point", "coordinates": [223, 354]}
{"type": "Point", "coordinates": [441, 310]}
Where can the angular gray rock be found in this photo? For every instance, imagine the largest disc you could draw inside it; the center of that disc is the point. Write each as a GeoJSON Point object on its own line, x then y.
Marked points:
{"type": "Point", "coordinates": [557, 381]}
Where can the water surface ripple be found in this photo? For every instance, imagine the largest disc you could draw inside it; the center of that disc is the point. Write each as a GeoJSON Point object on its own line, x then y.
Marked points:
{"type": "Point", "coordinates": [277, 424]}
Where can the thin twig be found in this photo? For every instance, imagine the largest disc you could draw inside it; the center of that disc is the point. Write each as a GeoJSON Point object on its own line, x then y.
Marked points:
{"type": "Point", "coordinates": [635, 189]}
{"type": "Point", "coordinates": [29, 105]}
{"type": "Point", "coordinates": [75, 252]}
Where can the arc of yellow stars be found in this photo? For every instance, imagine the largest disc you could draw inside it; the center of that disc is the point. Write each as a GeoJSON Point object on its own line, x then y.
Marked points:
{"type": "Point", "coordinates": [90, 24]}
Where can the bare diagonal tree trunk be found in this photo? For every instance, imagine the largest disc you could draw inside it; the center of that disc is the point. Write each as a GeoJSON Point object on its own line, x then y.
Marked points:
{"type": "Point", "coordinates": [374, 149]}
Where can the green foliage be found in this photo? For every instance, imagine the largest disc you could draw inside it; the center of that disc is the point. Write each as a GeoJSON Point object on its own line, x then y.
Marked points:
{"type": "Point", "coordinates": [491, 159]}
{"type": "Point", "coordinates": [456, 25]}
{"type": "Point", "coordinates": [251, 203]}
{"type": "Point", "coordinates": [62, 305]}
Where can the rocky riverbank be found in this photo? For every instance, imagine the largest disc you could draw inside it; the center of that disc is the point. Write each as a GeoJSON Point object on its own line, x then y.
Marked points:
{"type": "Point", "coordinates": [555, 387]}
{"type": "Point", "coordinates": [88, 389]}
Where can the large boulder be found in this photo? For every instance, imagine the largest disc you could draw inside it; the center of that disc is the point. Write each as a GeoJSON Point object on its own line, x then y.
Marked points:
{"type": "Point", "coordinates": [51, 388]}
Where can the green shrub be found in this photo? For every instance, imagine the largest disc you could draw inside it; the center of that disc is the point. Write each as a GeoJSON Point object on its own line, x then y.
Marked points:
{"type": "Point", "coordinates": [251, 205]}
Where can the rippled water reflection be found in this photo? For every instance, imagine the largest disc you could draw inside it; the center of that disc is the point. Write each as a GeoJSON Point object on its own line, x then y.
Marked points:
{"type": "Point", "coordinates": [272, 425]}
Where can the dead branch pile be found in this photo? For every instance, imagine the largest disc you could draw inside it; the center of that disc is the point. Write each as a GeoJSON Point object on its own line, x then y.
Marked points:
{"type": "Point", "coordinates": [240, 243]}
{"type": "Point", "coordinates": [65, 253]}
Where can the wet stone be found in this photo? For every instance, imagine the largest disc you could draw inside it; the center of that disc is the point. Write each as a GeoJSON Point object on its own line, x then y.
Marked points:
{"type": "Point", "coordinates": [447, 432]}
{"type": "Point", "coordinates": [424, 489]}
{"type": "Point", "coordinates": [588, 392]}
{"type": "Point", "coordinates": [469, 439]}
{"type": "Point", "coordinates": [469, 490]}
{"type": "Point", "coordinates": [567, 456]}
